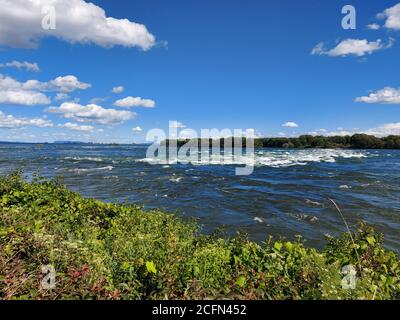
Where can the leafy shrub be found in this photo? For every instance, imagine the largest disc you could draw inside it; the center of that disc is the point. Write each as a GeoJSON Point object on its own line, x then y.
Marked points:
{"type": "Point", "coordinates": [110, 251]}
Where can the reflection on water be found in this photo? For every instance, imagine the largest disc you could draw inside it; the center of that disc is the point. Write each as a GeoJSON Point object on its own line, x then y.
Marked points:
{"type": "Point", "coordinates": [286, 195]}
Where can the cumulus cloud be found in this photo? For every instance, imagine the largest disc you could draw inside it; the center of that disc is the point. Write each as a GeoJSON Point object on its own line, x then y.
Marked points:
{"type": "Point", "coordinates": [339, 132]}
{"type": "Point", "coordinates": [137, 129]}
{"type": "Point", "coordinates": [62, 84]}
{"type": "Point", "coordinates": [23, 97]}
{"type": "Point", "coordinates": [98, 100]}
{"type": "Point", "coordinates": [392, 16]}
{"type": "Point", "coordinates": [61, 96]}
{"type": "Point", "coordinates": [9, 122]}
{"type": "Point", "coordinates": [356, 47]}
{"type": "Point", "coordinates": [135, 102]}
{"type": "Point", "coordinates": [385, 130]}
{"type": "Point", "coordinates": [318, 132]}
{"type": "Point", "coordinates": [14, 92]}
{"type": "Point", "coordinates": [65, 84]}
{"type": "Point", "coordinates": [290, 124]}
{"type": "Point", "coordinates": [91, 113]}
{"type": "Point", "coordinates": [30, 92]}
{"type": "Point", "coordinates": [77, 21]}
{"type": "Point", "coordinates": [77, 127]}
{"type": "Point", "coordinates": [118, 89]}
{"type": "Point", "coordinates": [176, 125]}
{"type": "Point", "coordinates": [386, 95]}
{"type": "Point", "coordinates": [28, 66]}
{"type": "Point", "coordinates": [373, 26]}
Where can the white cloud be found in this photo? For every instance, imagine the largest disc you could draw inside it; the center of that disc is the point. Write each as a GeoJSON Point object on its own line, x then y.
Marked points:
{"type": "Point", "coordinates": [9, 121]}
{"type": "Point", "coordinates": [386, 95]}
{"type": "Point", "coordinates": [380, 131]}
{"type": "Point", "coordinates": [91, 113]}
{"type": "Point", "coordinates": [290, 124]}
{"type": "Point", "coordinates": [28, 66]}
{"type": "Point", "coordinates": [77, 21]}
{"type": "Point", "coordinates": [118, 89]}
{"type": "Point", "coordinates": [64, 84]}
{"type": "Point", "coordinates": [331, 133]}
{"type": "Point", "coordinates": [392, 16]}
{"type": "Point", "coordinates": [98, 100]}
{"type": "Point", "coordinates": [23, 97]}
{"type": "Point", "coordinates": [135, 102]}
{"type": "Point", "coordinates": [356, 47]}
{"type": "Point", "coordinates": [14, 92]}
{"type": "Point", "coordinates": [385, 130]}
{"type": "Point", "coordinates": [137, 129]}
{"type": "Point", "coordinates": [30, 92]}
{"type": "Point", "coordinates": [176, 125]}
{"type": "Point", "coordinates": [188, 134]}
{"type": "Point", "coordinates": [255, 133]}
{"type": "Point", "coordinates": [319, 132]}
{"type": "Point", "coordinates": [373, 26]}
{"type": "Point", "coordinates": [77, 127]}
{"type": "Point", "coordinates": [61, 96]}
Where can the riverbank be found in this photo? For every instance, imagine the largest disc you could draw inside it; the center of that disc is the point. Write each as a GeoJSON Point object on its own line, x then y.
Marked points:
{"type": "Point", "coordinates": [355, 141]}
{"type": "Point", "coordinates": [109, 251]}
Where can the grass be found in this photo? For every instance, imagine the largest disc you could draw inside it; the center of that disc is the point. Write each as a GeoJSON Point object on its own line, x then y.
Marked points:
{"type": "Point", "coordinates": [111, 251]}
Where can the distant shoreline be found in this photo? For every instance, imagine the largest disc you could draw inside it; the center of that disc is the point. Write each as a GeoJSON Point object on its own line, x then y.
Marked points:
{"type": "Point", "coordinates": [356, 141]}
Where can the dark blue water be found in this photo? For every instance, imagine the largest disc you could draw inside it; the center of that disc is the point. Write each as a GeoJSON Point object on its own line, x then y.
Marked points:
{"type": "Point", "coordinates": [287, 195]}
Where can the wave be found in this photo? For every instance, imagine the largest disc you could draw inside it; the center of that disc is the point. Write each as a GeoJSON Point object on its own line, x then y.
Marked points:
{"type": "Point", "coordinates": [81, 170]}
{"type": "Point", "coordinates": [94, 159]}
{"type": "Point", "coordinates": [177, 180]}
{"type": "Point", "coordinates": [277, 158]}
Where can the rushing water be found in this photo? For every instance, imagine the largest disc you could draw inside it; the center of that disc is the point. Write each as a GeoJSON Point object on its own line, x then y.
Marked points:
{"type": "Point", "coordinates": [287, 195]}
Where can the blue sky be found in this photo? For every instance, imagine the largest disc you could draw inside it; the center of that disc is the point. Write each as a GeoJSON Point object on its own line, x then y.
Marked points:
{"type": "Point", "coordinates": [211, 64]}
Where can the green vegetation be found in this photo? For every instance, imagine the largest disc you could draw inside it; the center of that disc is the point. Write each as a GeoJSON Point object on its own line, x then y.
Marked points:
{"type": "Point", "coordinates": [356, 141]}
{"type": "Point", "coordinates": [110, 251]}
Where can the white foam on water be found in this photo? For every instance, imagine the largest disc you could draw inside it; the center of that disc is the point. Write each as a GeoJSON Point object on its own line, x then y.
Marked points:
{"type": "Point", "coordinates": [80, 170]}
{"type": "Point", "coordinates": [94, 159]}
{"type": "Point", "coordinates": [259, 220]}
{"type": "Point", "coordinates": [314, 203]}
{"type": "Point", "coordinates": [111, 177]}
{"type": "Point", "coordinates": [177, 180]}
{"type": "Point", "coordinates": [275, 158]}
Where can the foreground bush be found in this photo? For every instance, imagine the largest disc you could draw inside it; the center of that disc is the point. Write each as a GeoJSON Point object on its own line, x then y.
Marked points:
{"type": "Point", "coordinates": [108, 251]}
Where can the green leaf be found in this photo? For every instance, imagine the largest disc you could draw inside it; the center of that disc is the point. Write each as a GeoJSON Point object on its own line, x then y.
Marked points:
{"type": "Point", "coordinates": [371, 240]}
{"type": "Point", "coordinates": [289, 246]}
{"type": "Point", "coordinates": [126, 266]}
{"type": "Point", "coordinates": [278, 246]}
{"type": "Point", "coordinates": [151, 267]}
{"type": "Point", "coordinates": [196, 270]}
{"type": "Point", "coordinates": [241, 281]}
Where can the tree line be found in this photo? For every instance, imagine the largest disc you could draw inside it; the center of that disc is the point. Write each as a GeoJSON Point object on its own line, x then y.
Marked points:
{"type": "Point", "coordinates": [356, 141]}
